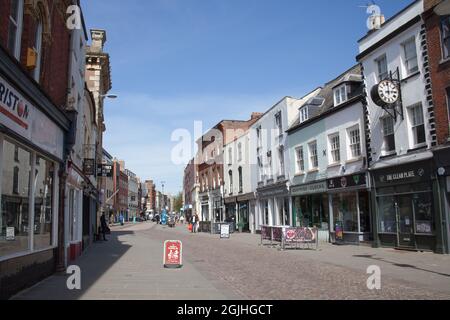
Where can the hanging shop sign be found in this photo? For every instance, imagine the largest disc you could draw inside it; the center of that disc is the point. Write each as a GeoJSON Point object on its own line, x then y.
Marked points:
{"type": "Point", "coordinates": [309, 189]}
{"type": "Point", "coordinates": [410, 173]}
{"type": "Point", "coordinates": [356, 180]}
{"type": "Point", "coordinates": [173, 254]}
{"type": "Point", "coordinates": [26, 120]}
{"type": "Point", "coordinates": [89, 167]}
{"type": "Point", "coordinates": [104, 170]}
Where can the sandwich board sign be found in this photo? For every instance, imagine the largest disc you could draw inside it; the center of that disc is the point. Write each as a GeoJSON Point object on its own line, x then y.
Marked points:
{"type": "Point", "coordinates": [173, 254]}
{"type": "Point", "coordinates": [224, 231]}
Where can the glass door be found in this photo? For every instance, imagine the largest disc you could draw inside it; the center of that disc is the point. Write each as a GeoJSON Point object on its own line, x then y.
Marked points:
{"type": "Point", "coordinates": [405, 221]}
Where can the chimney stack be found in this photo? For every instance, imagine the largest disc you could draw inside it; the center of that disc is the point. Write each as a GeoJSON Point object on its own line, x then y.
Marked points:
{"type": "Point", "coordinates": [98, 40]}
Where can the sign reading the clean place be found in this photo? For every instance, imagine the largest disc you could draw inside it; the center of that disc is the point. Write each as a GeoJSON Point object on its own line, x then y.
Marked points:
{"type": "Point", "coordinates": [410, 173]}
{"type": "Point", "coordinates": [22, 117]}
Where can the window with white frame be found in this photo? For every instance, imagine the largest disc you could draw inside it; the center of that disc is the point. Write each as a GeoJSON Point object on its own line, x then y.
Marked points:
{"type": "Point", "coordinates": [241, 185]}
{"type": "Point", "coordinates": [230, 156]}
{"type": "Point", "coordinates": [340, 95]}
{"type": "Point", "coordinates": [382, 67]}
{"type": "Point", "coordinates": [417, 124]}
{"type": "Point", "coordinates": [239, 151]}
{"type": "Point", "coordinates": [259, 137]}
{"type": "Point", "coordinates": [445, 37]}
{"type": "Point", "coordinates": [313, 156]}
{"type": "Point", "coordinates": [304, 114]}
{"type": "Point", "coordinates": [281, 158]}
{"type": "Point", "coordinates": [278, 123]}
{"type": "Point", "coordinates": [15, 27]}
{"type": "Point", "coordinates": [38, 49]}
{"type": "Point", "coordinates": [410, 55]}
{"type": "Point", "coordinates": [387, 124]}
{"type": "Point", "coordinates": [300, 160]}
{"type": "Point", "coordinates": [335, 148]}
{"type": "Point", "coordinates": [354, 138]}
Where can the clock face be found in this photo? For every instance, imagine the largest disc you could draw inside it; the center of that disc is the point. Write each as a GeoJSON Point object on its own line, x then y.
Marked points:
{"type": "Point", "coordinates": [388, 91]}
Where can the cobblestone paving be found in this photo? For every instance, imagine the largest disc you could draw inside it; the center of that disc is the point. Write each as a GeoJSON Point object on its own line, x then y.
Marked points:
{"type": "Point", "coordinates": [255, 272]}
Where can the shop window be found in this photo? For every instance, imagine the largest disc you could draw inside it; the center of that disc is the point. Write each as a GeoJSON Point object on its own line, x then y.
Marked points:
{"type": "Point", "coordinates": [445, 37]}
{"type": "Point", "coordinates": [43, 206]}
{"type": "Point", "coordinates": [364, 213]}
{"type": "Point", "coordinates": [345, 211]}
{"type": "Point", "coordinates": [266, 212]}
{"type": "Point", "coordinates": [422, 204]}
{"type": "Point", "coordinates": [15, 27]}
{"type": "Point", "coordinates": [410, 56]}
{"type": "Point", "coordinates": [417, 124]}
{"type": "Point", "coordinates": [388, 134]}
{"type": "Point", "coordinates": [387, 214]}
{"type": "Point", "coordinates": [14, 217]}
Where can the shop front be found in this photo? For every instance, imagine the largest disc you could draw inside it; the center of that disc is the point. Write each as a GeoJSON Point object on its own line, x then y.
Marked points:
{"type": "Point", "coordinates": [349, 209]}
{"type": "Point", "coordinates": [274, 205]}
{"type": "Point", "coordinates": [32, 133]}
{"type": "Point", "coordinates": [230, 209]}
{"type": "Point", "coordinates": [406, 217]}
{"type": "Point", "coordinates": [310, 207]}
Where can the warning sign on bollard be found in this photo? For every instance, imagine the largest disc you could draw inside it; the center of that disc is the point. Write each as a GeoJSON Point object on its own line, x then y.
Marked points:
{"type": "Point", "coordinates": [173, 254]}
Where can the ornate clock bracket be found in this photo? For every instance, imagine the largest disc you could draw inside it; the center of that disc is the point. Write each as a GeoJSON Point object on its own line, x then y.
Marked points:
{"type": "Point", "coordinates": [395, 109]}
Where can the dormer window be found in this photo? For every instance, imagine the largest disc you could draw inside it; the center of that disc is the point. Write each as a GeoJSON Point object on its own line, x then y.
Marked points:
{"type": "Point", "coordinates": [340, 95]}
{"type": "Point", "coordinates": [304, 114]}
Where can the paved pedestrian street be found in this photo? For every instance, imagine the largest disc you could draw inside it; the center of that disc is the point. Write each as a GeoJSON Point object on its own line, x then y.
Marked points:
{"type": "Point", "coordinates": [130, 266]}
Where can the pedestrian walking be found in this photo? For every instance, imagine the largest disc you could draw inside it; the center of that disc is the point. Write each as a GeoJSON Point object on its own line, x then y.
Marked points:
{"type": "Point", "coordinates": [104, 226]}
{"type": "Point", "coordinates": [121, 219]}
{"type": "Point", "coordinates": [193, 222]}
{"type": "Point", "coordinates": [197, 223]}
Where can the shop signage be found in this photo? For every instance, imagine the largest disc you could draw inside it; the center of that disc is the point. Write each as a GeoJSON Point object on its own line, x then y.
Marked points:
{"type": "Point", "coordinates": [246, 197]}
{"type": "Point", "coordinates": [300, 235]}
{"type": "Point", "coordinates": [89, 167]}
{"type": "Point", "coordinates": [104, 170]}
{"type": "Point", "coordinates": [10, 234]}
{"type": "Point", "coordinates": [309, 189]}
{"type": "Point", "coordinates": [224, 231]}
{"type": "Point", "coordinates": [355, 180]}
{"type": "Point", "coordinates": [22, 117]}
{"type": "Point", "coordinates": [173, 254]}
{"type": "Point", "coordinates": [411, 173]}
{"type": "Point", "coordinates": [339, 232]}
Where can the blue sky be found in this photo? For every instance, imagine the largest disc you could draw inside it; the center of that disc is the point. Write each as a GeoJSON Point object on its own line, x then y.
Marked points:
{"type": "Point", "coordinates": [174, 62]}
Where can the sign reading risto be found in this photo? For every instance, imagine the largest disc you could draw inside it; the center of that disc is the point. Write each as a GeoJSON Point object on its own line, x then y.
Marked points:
{"type": "Point", "coordinates": [13, 106]}
{"type": "Point", "coordinates": [26, 120]}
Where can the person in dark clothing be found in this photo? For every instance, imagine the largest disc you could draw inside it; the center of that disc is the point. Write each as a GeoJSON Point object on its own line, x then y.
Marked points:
{"type": "Point", "coordinates": [104, 226]}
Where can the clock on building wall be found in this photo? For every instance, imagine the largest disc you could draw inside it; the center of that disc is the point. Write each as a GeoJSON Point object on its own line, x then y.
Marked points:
{"type": "Point", "coordinates": [385, 93]}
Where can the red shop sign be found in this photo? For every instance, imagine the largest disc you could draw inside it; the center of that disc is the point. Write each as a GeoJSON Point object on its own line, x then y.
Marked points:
{"type": "Point", "coordinates": [173, 254]}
